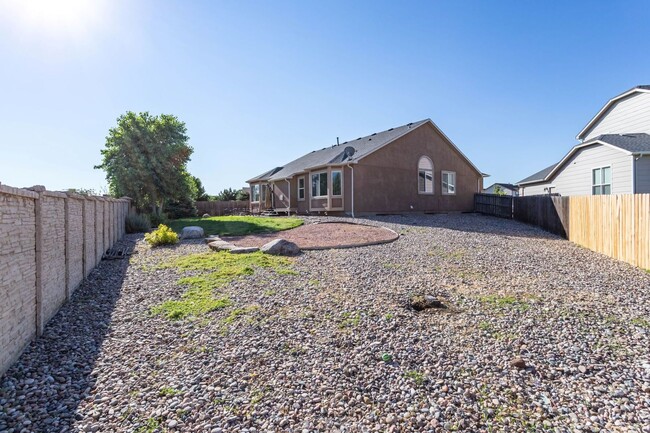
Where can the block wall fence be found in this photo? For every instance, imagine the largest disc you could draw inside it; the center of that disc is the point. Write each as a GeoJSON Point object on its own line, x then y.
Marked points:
{"type": "Point", "coordinates": [49, 242]}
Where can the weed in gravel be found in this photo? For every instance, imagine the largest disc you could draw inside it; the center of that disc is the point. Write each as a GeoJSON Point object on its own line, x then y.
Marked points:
{"type": "Point", "coordinates": [149, 426]}
{"type": "Point", "coordinates": [485, 326]}
{"type": "Point", "coordinates": [641, 322]}
{"type": "Point", "coordinates": [505, 302]}
{"type": "Point", "coordinates": [216, 270]}
{"type": "Point", "coordinates": [238, 312]}
{"type": "Point", "coordinates": [350, 320]}
{"type": "Point", "coordinates": [388, 316]}
{"type": "Point", "coordinates": [168, 391]}
{"type": "Point", "coordinates": [416, 376]}
{"type": "Point", "coordinates": [448, 255]}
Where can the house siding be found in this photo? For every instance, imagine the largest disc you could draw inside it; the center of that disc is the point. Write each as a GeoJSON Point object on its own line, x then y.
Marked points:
{"type": "Point", "coordinates": [575, 176]}
{"type": "Point", "coordinates": [386, 181]}
{"type": "Point", "coordinates": [629, 115]}
{"type": "Point", "coordinates": [643, 175]}
{"type": "Point", "coordinates": [535, 189]}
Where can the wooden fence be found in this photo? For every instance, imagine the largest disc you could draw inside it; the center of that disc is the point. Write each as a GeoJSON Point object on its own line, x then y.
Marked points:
{"type": "Point", "coordinates": [491, 204]}
{"type": "Point", "coordinates": [219, 208]}
{"type": "Point", "coordinates": [615, 225]}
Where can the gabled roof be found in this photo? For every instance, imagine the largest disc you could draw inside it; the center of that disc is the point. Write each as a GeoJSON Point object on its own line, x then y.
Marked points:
{"type": "Point", "coordinates": [539, 176]}
{"type": "Point", "coordinates": [631, 144]}
{"type": "Point", "coordinates": [505, 185]}
{"type": "Point", "coordinates": [336, 155]}
{"type": "Point", "coordinates": [638, 89]}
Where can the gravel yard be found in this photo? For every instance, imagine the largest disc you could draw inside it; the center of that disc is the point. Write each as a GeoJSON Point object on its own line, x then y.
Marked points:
{"type": "Point", "coordinates": [302, 350]}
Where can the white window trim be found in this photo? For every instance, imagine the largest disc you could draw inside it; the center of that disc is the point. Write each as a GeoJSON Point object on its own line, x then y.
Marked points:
{"type": "Point", "coordinates": [433, 174]}
{"type": "Point", "coordinates": [311, 175]}
{"type": "Point", "coordinates": [611, 180]}
{"type": "Point", "coordinates": [442, 175]}
{"type": "Point", "coordinates": [331, 179]}
{"type": "Point", "coordinates": [259, 194]}
{"type": "Point", "coordinates": [304, 188]}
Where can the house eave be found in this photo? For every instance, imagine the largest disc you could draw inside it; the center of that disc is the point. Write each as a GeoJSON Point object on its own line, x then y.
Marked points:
{"type": "Point", "coordinates": [581, 135]}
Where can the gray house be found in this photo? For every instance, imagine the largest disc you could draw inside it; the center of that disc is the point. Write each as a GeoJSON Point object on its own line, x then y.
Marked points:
{"type": "Point", "coordinates": [612, 158]}
{"type": "Point", "coordinates": [506, 188]}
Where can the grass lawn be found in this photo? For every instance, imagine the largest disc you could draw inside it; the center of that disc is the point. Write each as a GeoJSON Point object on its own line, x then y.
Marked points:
{"type": "Point", "coordinates": [236, 225]}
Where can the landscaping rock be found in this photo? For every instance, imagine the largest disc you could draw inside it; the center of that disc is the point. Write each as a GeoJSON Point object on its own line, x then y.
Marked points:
{"type": "Point", "coordinates": [212, 238]}
{"type": "Point", "coordinates": [518, 362]}
{"type": "Point", "coordinates": [192, 232]}
{"type": "Point", "coordinates": [243, 250]}
{"type": "Point", "coordinates": [206, 215]}
{"type": "Point", "coordinates": [424, 302]}
{"type": "Point", "coordinates": [221, 246]}
{"type": "Point", "coordinates": [281, 247]}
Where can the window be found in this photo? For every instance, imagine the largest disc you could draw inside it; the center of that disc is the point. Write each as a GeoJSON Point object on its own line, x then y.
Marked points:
{"type": "Point", "coordinates": [336, 183]}
{"type": "Point", "coordinates": [601, 181]}
{"type": "Point", "coordinates": [263, 197]}
{"type": "Point", "coordinates": [301, 188]}
{"type": "Point", "coordinates": [319, 184]}
{"type": "Point", "coordinates": [255, 193]}
{"type": "Point", "coordinates": [448, 182]}
{"type": "Point", "coordinates": [425, 176]}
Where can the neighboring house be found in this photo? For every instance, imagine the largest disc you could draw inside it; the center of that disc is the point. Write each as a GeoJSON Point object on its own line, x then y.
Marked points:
{"type": "Point", "coordinates": [414, 167]}
{"type": "Point", "coordinates": [507, 188]}
{"type": "Point", "coordinates": [613, 157]}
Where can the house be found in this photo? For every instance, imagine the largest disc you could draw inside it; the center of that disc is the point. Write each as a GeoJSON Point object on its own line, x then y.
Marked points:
{"type": "Point", "coordinates": [613, 156]}
{"type": "Point", "coordinates": [411, 168]}
{"type": "Point", "coordinates": [506, 188]}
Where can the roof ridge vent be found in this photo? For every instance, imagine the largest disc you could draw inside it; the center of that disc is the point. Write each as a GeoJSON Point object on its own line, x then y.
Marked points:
{"type": "Point", "coordinates": [373, 134]}
{"type": "Point", "coordinates": [390, 129]}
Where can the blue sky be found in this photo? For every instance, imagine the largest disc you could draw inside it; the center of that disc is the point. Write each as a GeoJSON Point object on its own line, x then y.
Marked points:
{"type": "Point", "coordinates": [261, 83]}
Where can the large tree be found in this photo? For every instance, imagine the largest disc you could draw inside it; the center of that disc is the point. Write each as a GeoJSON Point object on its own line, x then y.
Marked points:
{"type": "Point", "coordinates": [145, 158]}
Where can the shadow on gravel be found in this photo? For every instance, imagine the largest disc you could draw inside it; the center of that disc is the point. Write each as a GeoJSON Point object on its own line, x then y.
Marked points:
{"type": "Point", "coordinates": [469, 222]}
{"type": "Point", "coordinates": [43, 389]}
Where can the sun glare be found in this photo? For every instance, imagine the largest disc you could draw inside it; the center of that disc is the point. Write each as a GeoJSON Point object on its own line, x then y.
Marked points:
{"type": "Point", "coordinates": [54, 17]}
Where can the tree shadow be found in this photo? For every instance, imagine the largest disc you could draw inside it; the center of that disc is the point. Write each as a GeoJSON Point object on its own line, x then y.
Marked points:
{"type": "Point", "coordinates": [468, 222]}
{"type": "Point", "coordinates": [43, 389]}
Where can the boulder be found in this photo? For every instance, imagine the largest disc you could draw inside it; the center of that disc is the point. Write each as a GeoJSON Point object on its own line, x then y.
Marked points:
{"type": "Point", "coordinates": [206, 215]}
{"type": "Point", "coordinates": [243, 250]}
{"type": "Point", "coordinates": [221, 246]}
{"type": "Point", "coordinates": [192, 232]}
{"type": "Point", "coordinates": [281, 247]}
{"type": "Point", "coordinates": [423, 302]}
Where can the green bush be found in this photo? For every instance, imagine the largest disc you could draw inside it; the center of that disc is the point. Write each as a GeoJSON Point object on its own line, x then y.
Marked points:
{"type": "Point", "coordinates": [163, 235]}
{"type": "Point", "coordinates": [157, 219]}
{"type": "Point", "coordinates": [137, 223]}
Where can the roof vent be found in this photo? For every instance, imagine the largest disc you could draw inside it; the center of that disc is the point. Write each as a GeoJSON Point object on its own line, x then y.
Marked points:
{"type": "Point", "coordinates": [370, 139]}
{"type": "Point", "coordinates": [349, 151]}
{"type": "Point", "coordinates": [372, 135]}
{"type": "Point", "coordinates": [390, 129]}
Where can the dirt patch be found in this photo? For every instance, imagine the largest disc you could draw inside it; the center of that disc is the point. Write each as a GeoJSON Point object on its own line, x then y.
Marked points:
{"type": "Point", "coordinates": [322, 236]}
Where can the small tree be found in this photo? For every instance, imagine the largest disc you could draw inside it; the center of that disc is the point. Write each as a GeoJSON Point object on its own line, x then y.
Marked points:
{"type": "Point", "coordinates": [145, 158]}
{"type": "Point", "coordinates": [199, 194]}
{"type": "Point", "coordinates": [498, 190]}
{"type": "Point", "coordinates": [227, 195]}
{"type": "Point", "coordinates": [242, 195]}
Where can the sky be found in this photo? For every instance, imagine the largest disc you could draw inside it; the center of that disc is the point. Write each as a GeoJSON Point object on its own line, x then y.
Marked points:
{"type": "Point", "coordinates": [259, 84]}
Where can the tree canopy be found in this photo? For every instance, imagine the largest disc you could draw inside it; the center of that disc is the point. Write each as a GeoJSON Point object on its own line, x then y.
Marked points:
{"type": "Point", "coordinates": [145, 158]}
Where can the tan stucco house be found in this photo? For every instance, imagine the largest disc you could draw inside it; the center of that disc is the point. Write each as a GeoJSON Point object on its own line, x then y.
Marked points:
{"type": "Point", "coordinates": [411, 168]}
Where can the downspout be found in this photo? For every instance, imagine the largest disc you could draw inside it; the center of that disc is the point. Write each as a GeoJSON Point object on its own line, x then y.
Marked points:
{"type": "Point", "coordinates": [634, 159]}
{"type": "Point", "coordinates": [288, 181]}
{"type": "Point", "coordinates": [351, 188]}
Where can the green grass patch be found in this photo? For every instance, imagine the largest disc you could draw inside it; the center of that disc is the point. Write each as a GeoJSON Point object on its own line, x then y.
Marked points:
{"type": "Point", "coordinates": [237, 225]}
{"type": "Point", "coordinates": [149, 426]}
{"type": "Point", "coordinates": [237, 312]}
{"type": "Point", "coordinates": [215, 269]}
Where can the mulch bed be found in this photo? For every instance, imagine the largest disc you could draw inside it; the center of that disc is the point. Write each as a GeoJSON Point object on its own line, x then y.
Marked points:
{"type": "Point", "coordinates": [321, 236]}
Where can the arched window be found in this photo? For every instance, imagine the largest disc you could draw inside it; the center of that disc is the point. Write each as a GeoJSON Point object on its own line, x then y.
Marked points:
{"type": "Point", "coordinates": [425, 175]}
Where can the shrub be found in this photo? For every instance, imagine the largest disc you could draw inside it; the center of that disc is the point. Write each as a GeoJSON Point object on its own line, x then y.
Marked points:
{"type": "Point", "coordinates": [157, 219]}
{"type": "Point", "coordinates": [137, 223]}
{"type": "Point", "coordinates": [161, 236]}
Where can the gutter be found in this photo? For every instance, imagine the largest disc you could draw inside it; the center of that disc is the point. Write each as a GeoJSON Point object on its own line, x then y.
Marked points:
{"type": "Point", "coordinates": [288, 181]}
{"type": "Point", "coordinates": [351, 187]}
